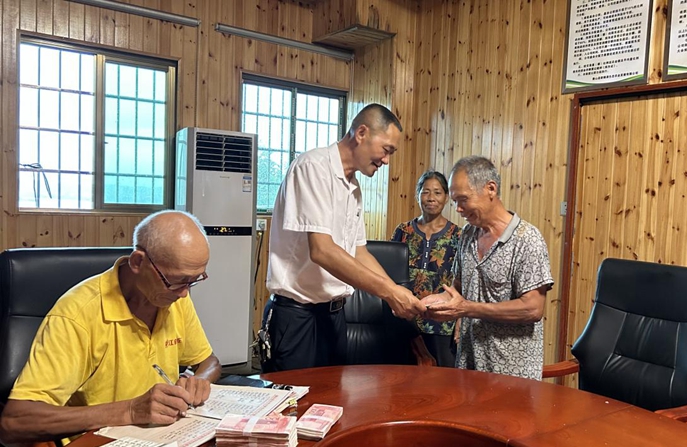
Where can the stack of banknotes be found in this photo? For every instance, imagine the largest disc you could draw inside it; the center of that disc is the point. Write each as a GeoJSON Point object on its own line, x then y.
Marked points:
{"type": "Point", "coordinates": [317, 420]}
{"type": "Point", "coordinates": [266, 431]}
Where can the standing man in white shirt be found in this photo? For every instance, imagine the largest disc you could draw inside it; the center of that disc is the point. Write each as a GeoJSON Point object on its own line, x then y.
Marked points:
{"type": "Point", "coordinates": [317, 246]}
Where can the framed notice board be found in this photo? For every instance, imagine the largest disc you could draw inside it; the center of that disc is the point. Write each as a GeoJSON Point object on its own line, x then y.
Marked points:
{"type": "Point", "coordinates": [607, 43]}
{"type": "Point", "coordinates": [675, 58]}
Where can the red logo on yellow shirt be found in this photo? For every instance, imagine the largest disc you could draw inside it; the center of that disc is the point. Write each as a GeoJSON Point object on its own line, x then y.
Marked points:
{"type": "Point", "coordinates": [172, 342]}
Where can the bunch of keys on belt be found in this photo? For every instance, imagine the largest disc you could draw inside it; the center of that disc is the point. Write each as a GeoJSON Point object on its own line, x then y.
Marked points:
{"type": "Point", "coordinates": [262, 342]}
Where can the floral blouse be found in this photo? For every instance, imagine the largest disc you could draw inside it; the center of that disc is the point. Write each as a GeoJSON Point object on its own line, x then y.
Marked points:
{"type": "Point", "coordinates": [430, 265]}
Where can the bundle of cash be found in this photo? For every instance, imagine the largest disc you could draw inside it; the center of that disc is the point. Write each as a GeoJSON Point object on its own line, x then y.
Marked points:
{"type": "Point", "coordinates": [317, 420]}
{"type": "Point", "coordinates": [268, 431]}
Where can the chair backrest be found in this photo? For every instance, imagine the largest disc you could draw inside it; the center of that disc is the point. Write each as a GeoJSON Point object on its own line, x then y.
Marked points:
{"type": "Point", "coordinates": [374, 335]}
{"type": "Point", "coordinates": [31, 281]}
{"type": "Point", "coordinates": [634, 347]}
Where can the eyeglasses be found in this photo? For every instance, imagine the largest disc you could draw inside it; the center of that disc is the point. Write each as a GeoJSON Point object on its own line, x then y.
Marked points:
{"type": "Point", "coordinates": [174, 287]}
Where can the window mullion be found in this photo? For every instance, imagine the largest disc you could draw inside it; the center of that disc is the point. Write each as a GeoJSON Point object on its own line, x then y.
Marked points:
{"type": "Point", "coordinates": [99, 156]}
{"type": "Point", "coordinates": [292, 147]}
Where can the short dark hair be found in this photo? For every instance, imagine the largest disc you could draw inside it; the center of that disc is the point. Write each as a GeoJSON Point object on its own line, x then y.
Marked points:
{"type": "Point", "coordinates": [429, 175]}
{"type": "Point", "coordinates": [480, 171]}
{"type": "Point", "coordinates": [376, 117]}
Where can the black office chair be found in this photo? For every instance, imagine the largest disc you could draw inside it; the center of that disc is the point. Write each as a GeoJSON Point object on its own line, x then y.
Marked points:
{"type": "Point", "coordinates": [634, 347]}
{"type": "Point", "coordinates": [31, 281]}
{"type": "Point", "coordinates": [374, 335]}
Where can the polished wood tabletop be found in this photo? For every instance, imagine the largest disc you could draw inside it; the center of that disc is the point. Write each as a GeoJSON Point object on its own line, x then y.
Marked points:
{"type": "Point", "coordinates": [388, 403]}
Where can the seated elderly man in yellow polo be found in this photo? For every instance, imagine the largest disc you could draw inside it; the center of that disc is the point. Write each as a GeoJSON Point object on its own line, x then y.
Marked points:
{"type": "Point", "coordinates": [91, 363]}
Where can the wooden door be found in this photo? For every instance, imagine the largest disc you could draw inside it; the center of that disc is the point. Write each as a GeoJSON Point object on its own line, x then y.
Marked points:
{"type": "Point", "coordinates": [631, 190]}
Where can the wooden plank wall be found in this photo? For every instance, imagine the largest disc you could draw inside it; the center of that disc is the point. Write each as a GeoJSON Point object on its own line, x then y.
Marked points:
{"type": "Point", "coordinates": [488, 82]}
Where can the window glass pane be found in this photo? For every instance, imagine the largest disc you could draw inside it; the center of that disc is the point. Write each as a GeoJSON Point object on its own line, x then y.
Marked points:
{"type": "Point", "coordinates": [310, 136]}
{"type": "Point", "coordinates": [300, 136]}
{"type": "Point", "coordinates": [159, 158]}
{"type": "Point", "coordinates": [127, 156]}
{"type": "Point", "coordinates": [111, 116]}
{"type": "Point", "coordinates": [69, 190]}
{"type": "Point", "coordinates": [127, 81]}
{"type": "Point", "coordinates": [110, 155]}
{"type": "Point", "coordinates": [28, 107]}
{"type": "Point", "coordinates": [28, 64]}
{"type": "Point", "coordinates": [127, 117]}
{"type": "Point", "coordinates": [323, 135]}
{"type": "Point", "coordinates": [146, 79]}
{"type": "Point", "coordinates": [126, 189]}
{"type": "Point", "coordinates": [277, 106]}
{"type": "Point", "coordinates": [158, 191]}
{"type": "Point", "coordinates": [263, 201]}
{"type": "Point", "coordinates": [110, 189]}
{"type": "Point", "coordinates": [264, 100]}
{"type": "Point", "coordinates": [323, 109]}
{"type": "Point", "coordinates": [69, 72]}
{"type": "Point", "coordinates": [301, 103]}
{"type": "Point", "coordinates": [334, 111]}
{"type": "Point", "coordinates": [28, 142]}
{"type": "Point", "coordinates": [275, 133]}
{"type": "Point", "coordinates": [250, 98]}
{"type": "Point", "coordinates": [87, 149]}
{"type": "Point", "coordinates": [144, 189]}
{"type": "Point", "coordinates": [86, 192]}
{"type": "Point", "coordinates": [87, 73]}
{"type": "Point", "coordinates": [144, 159]}
{"type": "Point", "coordinates": [250, 123]}
{"type": "Point", "coordinates": [145, 119]}
{"type": "Point", "coordinates": [311, 111]}
{"type": "Point", "coordinates": [87, 113]}
{"type": "Point", "coordinates": [69, 153]}
{"type": "Point", "coordinates": [161, 86]}
{"type": "Point", "coordinates": [48, 153]}
{"type": "Point", "coordinates": [49, 109]}
{"type": "Point", "coordinates": [48, 70]}
{"type": "Point", "coordinates": [263, 131]}
{"type": "Point", "coordinates": [333, 133]}
{"type": "Point", "coordinates": [160, 121]}
{"type": "Point", "coordinates": [47, 196]}
{"type": "Point", "coordinates": [111, 79]}
{"type": "Point", "coordinates": [27, 189]}
{"type": "Point", "coordinates": [69, 111]}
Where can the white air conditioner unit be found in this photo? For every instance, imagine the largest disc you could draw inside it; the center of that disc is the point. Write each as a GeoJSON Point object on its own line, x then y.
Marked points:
{"type": "Point", "coordinates": [215, 181]}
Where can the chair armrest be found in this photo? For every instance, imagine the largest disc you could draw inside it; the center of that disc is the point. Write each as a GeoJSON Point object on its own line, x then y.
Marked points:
{"type": "Point", "coordinates": [677, 413]}
{"type": "Point", "coordinates": [561, 368]}
{"type": "Point", "coordinates": [422, 355]}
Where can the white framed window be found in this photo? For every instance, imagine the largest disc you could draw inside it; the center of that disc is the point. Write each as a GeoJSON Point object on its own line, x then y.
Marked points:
{"type": "Point", "coordinates": [289, 119]}
{"type": "Point", "coordinates": [95, 129]}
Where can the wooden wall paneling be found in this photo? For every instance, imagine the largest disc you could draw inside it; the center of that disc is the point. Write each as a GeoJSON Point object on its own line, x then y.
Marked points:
{"type": "Point", "coordinates": [122, 30]}
{"type": "Point", "coordinates": [136, 35]}
{"type": "Point", "coordinates": [77, 24]}
{"type": "Point", "coordinates": [186, 50]}
{"type": "Point", "coordinates": [107, 27]}
{"type": "Point", "coordinates": [666, 191]}
{"type": "Point", "coordinates": [230, 90]}
{"type": "Point", "coordinates": [44, 16]}
{"type": "Point", "coordinates": [659, 19]}
{"type": "Point", "coordinates": [76, 230]}
{"type": "Point", "coordinates": [478, 78]}
{"type": "Point", "coordinates": [10, 22]}
{"type": "Point", "coordinates": [680, 197]}
{"type": "Point", "coordinates": [410, 159]}
{"type": "Point", "coordinates": [60, 18]}
{"type": "Point", "coordinates": [27, 17]}
{"type": "Point", "coordinates": [493, 69]}
{"type": "Point", "coordinates": [443, 157]}
{"type": "Point", "coordinates": [620, 180]}
{"type": "Point", "coordinates": [151, 30]}
{"type": "Point", "coordinates": [638, 115]}
{"type": "Point", "coordinates": [647, 207]}
{"type": "Point", "coordinates": [91, 18]}
{"type": "Point", "coordinates": [44, 230]}
{"type": "Point", "coordinates": [208, 53]}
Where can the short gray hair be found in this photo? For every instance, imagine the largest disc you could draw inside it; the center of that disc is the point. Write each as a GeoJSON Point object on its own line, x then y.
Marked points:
{"type": "Point", "coordinates": [480, 171]}
{"type": "Point", "coordinates": [152, 236]}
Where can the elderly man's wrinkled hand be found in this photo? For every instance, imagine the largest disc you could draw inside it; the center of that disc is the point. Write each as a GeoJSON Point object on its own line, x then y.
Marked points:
{"type": "Point", "coordinates": [446, 306]}
{"type": "Point", "coordinates": [162, 404]}
{"type": "Point", "coordinates": [198, 388]}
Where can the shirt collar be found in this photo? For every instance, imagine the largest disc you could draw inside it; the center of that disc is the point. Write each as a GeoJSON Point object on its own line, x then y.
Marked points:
{"type": "Point", "coordinates": [510, 228]}
{"type": "Point", "coordinates": [113, 302]}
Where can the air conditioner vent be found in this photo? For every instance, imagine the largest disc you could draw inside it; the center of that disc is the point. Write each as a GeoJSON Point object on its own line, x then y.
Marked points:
{"type": "Point", "coordinates": [226, 153]}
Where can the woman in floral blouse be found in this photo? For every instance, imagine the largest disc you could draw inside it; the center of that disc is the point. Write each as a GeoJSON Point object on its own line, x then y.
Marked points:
{"type": "Point", "coordinates": [432, 240]}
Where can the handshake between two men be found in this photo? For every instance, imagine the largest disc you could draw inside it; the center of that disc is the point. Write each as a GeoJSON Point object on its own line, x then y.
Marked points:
{"type": "Point", "coordinates": [446, 306]}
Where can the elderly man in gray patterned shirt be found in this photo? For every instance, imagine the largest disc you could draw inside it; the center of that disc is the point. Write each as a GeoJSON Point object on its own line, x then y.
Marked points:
{"type": "Point", "coordinates": [502, 272]}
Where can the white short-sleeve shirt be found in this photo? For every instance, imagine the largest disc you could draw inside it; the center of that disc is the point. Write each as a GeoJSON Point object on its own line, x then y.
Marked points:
{"type": "Point", "coordinates": [315, 197]}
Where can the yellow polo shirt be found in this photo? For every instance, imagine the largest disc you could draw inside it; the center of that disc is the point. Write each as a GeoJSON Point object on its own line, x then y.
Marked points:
{"type": "Point", "coordinates": [91, 350]}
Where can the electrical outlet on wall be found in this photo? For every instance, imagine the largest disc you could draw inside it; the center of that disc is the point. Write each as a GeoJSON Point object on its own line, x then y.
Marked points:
{"type": "Point", "coordinates": [260, 224]}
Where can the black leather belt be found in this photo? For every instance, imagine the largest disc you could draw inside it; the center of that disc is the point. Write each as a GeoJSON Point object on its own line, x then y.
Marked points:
{"type": "Point", "coordinates": [331, 306]}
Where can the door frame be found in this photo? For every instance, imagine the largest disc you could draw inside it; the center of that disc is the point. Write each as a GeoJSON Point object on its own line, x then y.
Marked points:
{"type": "Point", "coordinates": [578, 101]}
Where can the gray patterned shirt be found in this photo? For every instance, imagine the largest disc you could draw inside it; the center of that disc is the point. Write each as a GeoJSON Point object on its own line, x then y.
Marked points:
{"type": "Point", "coordinates": [516, 264]}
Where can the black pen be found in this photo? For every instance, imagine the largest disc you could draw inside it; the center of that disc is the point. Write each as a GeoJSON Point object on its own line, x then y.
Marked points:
{"type": "Point", "coordinates": [166, 378]}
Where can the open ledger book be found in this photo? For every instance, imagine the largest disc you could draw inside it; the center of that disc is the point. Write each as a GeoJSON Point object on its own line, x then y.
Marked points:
{"type": "Point", "coordinates": [199, 424]}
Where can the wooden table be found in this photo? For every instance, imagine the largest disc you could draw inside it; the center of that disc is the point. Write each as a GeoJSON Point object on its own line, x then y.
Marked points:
{"type": "Point", "coordinates": [486, 409]}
